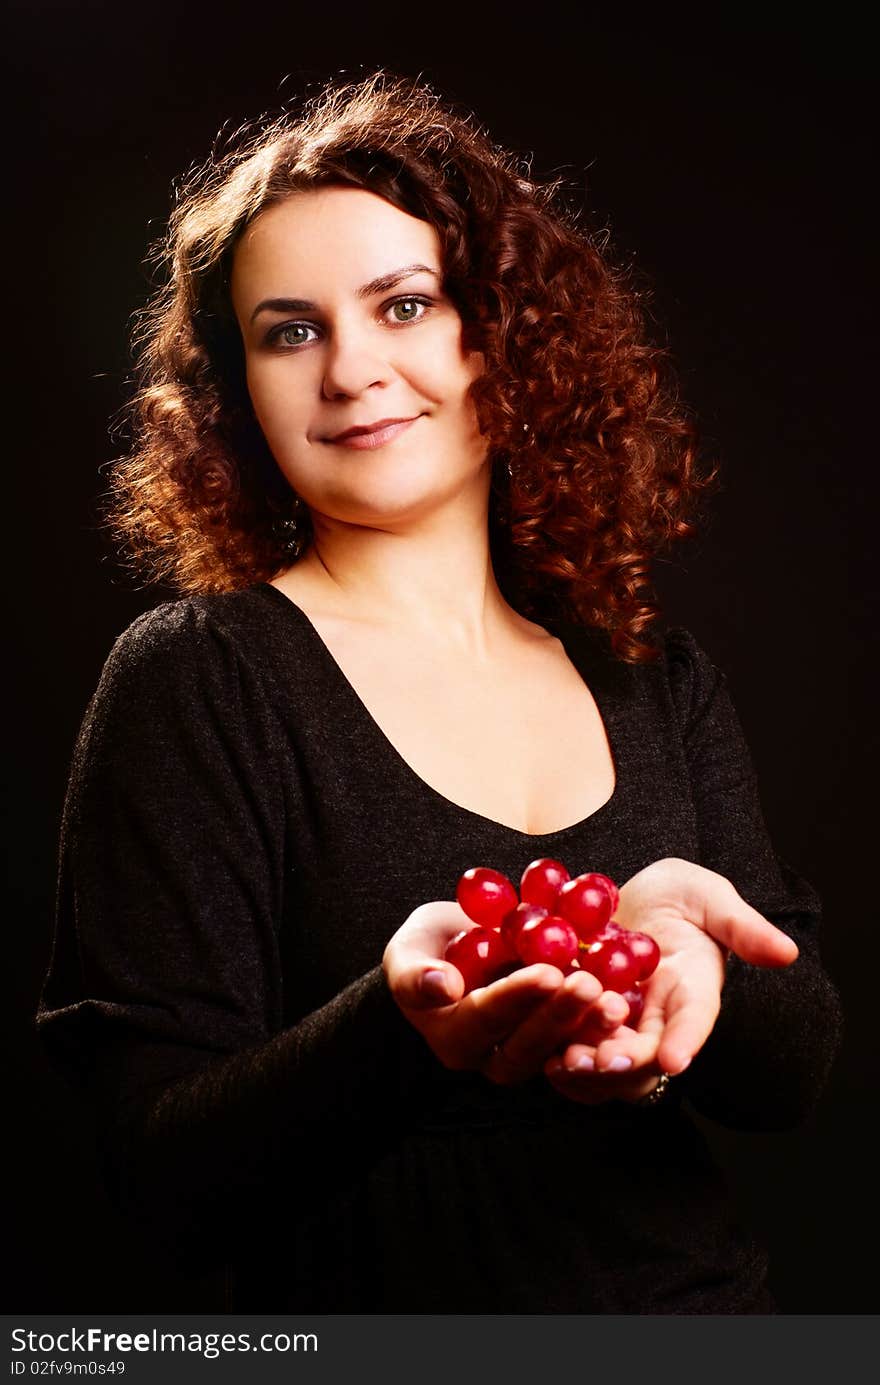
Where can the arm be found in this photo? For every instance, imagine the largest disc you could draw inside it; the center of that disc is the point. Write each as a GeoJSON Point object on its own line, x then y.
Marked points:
{"type": "Point", "coordinates": [164, 995]}
{"type": "Point", "coordinates": [768, 1057]}
{"type": "Point", "coordinates": [761, 1039]}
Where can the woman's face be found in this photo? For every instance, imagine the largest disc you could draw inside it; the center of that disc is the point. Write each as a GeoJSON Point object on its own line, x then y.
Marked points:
{"type": "Point", "coordinates": [339, 300]}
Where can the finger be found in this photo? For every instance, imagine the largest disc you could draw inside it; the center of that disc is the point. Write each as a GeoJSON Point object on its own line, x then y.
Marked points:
{"type": "Point", "coordinates": [414, 961]}
{"type": "Point", "coordinates": [690, 1020]}
{"type": "Point", "coordinates": [498, 1009]}
{"type": "Point", "coordinates": [427, 985]}
{"type": "Point", "coordinates": [612, 1010]}
{"type": "Point", "coordinates": [628, 1050]}
{"type": "Point", "coordinates": [727, 918]}
{"type": "Point", "coordinates": [523, 1050]}
{"type": "Point", "coordinates": [623, 1050]}
{"type": "Point", "coordinates": [582, 1084]}
{"type": "Point", "coordinates": [607, 1015]}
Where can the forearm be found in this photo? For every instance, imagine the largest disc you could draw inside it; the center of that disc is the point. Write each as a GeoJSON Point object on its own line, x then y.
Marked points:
{"type": "Point", "coordinates": [212, 1151]}
{"type": "Point", "coordinates": [769, 1055]}
{"type": "Point", "coordinates": [773, 1044]}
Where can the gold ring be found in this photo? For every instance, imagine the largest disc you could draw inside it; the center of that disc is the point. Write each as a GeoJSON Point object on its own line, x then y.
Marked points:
{"type": "Point", "coordinates": [657, 1093]}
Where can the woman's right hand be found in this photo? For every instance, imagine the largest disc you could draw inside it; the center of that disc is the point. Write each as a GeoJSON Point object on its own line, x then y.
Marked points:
{"type": "Point", "coordinates": [506, 1030]}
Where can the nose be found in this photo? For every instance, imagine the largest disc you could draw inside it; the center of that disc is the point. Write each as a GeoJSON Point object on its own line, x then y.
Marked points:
{"type": "Point", "coordinates": [352, 364]}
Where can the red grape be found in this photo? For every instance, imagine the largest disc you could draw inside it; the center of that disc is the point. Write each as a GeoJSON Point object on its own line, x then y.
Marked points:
{"type": "Point", "coordinates": [605, 882]}
{"type": "Point", "coordinates": [611, 930]}
{"type": "Point", "coordinates": [514, 921]}
{"type": "Point", "coordinates": [586, 905]}
{"type": "Point", "coordinates": [547, 939]}
{"type": "Point", "coordinates": [480, 954]}
{"type": "Point", "coordinates": [486, 896]}
{"type": "Point", "coordinates": [541, 882]}
{"type": "Point", "coordinates": [567, 923]}
{"type": "Point", "coordinates": [635, 999]}
{"type": "Point", "coordinates": [612, 963]}
{"type": "Point", "coordinates": [646, 952]}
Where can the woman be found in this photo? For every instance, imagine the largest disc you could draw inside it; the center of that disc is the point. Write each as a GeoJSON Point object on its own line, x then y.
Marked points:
{"type": "Point", "coordinates": [403, 448]}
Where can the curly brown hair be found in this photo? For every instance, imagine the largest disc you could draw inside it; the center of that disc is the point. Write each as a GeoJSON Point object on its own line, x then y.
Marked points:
{"type": "Point", "coordinates": [603, 478]}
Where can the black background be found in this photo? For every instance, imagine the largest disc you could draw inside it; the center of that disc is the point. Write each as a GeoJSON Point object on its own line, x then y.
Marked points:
{"type": "Point", "coordinates": [729, 160]}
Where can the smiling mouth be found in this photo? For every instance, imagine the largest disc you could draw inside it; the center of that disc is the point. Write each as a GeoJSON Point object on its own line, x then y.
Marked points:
{"type": "Point", "coordinates": [374, 437]}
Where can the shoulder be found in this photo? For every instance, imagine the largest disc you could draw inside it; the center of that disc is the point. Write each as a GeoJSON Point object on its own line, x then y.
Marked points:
{"type": "Point", "coordinates": [694, 680]}
{"type": "Point", "coordinates": [177, 676]}
{"type": "Point", "coordinates": [679, 658]}
{"type": "Point", "coordinates": [247, 647]}
{"type": "Point", "coordinates": [189, 630]}
{"type": "Point", "coordinates": [162, 643]}
{"type": "Point", "coordinates": [682, 677]}
{"type": "Point", "coordinates": [194, 651]}
{"type": "Point", "coordinates": [170, 627]}
{"type": "Point", "coordinates": [689, 667]}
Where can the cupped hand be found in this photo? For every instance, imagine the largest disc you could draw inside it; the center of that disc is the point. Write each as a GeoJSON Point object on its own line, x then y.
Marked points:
{"type": "Point", "coordinates": [682, 1000]}
{"type": "Point", "coordinates": [506, 1030]}
{"type": "Point", "coordinates": [697, 918]}
{"type": "Point", "coordinates": [673, 889]}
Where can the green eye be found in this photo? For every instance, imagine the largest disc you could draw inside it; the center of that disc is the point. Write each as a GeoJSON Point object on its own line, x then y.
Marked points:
{"type": "Point", "coordinates": [407, 309]}
{"type": "Point", "coordinates": [291, 335]}
{"type": "Point", "coordinates": [288, 340]}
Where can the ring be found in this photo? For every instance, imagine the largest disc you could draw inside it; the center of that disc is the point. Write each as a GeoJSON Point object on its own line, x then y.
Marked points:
{"type": "Point", "coordinates": [657, 1093]}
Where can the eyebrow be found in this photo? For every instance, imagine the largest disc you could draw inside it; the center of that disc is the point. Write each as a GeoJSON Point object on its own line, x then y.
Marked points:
{"type": "Point", "coordinates": [380, 285]}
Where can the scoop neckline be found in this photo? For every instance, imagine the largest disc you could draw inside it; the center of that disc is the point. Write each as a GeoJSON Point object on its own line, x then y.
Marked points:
{"type": "Point", "coordinates": [572, 638]}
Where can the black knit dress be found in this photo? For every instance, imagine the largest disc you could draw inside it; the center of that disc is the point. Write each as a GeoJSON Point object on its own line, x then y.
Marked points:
{"type": "Point", "coordinates": [240, 840]}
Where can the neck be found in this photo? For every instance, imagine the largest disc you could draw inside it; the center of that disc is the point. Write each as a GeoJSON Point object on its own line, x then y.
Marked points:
{"type": "Point", "coordinates": [432, 583]}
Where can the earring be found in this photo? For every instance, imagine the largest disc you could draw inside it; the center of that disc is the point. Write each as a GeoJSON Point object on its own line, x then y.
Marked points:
{"type": "Point", "coordinates": [288, 531]}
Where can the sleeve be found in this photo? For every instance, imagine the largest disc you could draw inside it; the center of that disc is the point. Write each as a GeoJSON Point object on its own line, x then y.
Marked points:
{"type": "Point", "coordinates": [163, 999]}
{"type": "Point", "coordinates": [770, 1053]}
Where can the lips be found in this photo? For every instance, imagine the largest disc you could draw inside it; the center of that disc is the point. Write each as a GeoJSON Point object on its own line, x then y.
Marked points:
{"type": "Point", "coordinates": [373, 434]}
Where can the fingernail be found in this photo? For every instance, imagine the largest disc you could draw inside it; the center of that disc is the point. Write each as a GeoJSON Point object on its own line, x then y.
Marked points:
{"type": "Point", "coordinates": [434, 985]}
{"type": "Point", "coordinates": [583, 986]}
{"type": "Point", "coordinates": [619, 1064]}
{"type": "Point", "coordinates": [585, 1064]}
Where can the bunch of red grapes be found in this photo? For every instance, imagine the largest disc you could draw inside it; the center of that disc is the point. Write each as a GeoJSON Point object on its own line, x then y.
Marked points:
{"type": "Point", "coordinates": [566, 922]}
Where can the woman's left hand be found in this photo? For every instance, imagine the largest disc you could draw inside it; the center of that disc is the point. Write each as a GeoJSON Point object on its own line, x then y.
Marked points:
{"type": "Point", "coordinates": [696, 917]}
